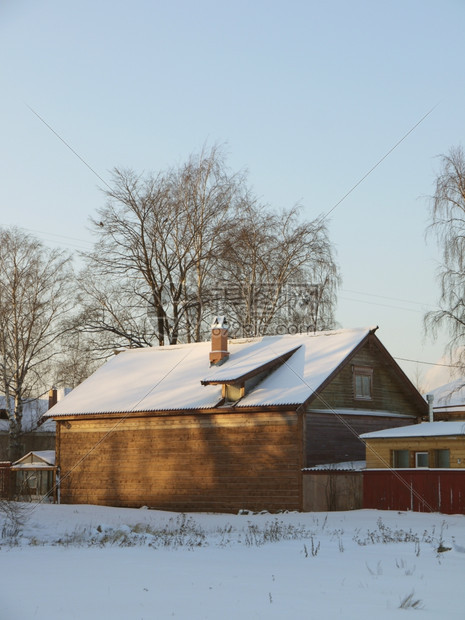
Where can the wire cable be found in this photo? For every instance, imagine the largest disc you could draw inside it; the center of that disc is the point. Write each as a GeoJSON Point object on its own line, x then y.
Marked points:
{"type": "Point", "coordinates": [373, 168]}
{"type": "Point", "coordinates": [67, 145]}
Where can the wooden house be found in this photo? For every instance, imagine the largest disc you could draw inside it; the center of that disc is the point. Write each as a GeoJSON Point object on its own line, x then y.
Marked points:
{"type": "Point", "coordinates": [229, 424]}
{"type": "Point", "coordinates": [419, 467]}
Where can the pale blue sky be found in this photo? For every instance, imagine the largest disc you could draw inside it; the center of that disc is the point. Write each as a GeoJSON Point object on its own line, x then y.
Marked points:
{"type": "Point", "coordinates": [307, 96]}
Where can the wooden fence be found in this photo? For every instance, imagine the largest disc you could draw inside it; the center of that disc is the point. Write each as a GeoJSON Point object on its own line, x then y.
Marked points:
{"type": "Point", "coordinates": [5, 479]}
{"type": "Point", "coordinates": [331, 489]}
{"type": "Point", "coordinates": [419, 490]}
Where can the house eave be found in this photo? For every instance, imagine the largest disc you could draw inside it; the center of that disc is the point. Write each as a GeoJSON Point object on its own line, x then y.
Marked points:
{"type": "Point", "coordinates": [225, 409]}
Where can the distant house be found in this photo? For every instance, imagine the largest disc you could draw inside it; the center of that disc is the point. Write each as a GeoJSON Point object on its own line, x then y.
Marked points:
{"type": "Point", "coordinates": [449, 401]}
{"type": "Point", "coordinates": [229, 424]}
{"type": "Point", "coordinates": [38, 433]}
{"type": "Point", "coordinates": [419, 467]}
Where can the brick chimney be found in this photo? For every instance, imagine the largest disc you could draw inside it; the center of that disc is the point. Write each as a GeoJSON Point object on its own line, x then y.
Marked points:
{"type": "Point", "coordinates": [52, 397]}
{"type": "Point", "coordinates": [219, 352]}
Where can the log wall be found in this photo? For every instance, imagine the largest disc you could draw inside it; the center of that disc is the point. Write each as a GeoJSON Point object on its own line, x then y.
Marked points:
{"type": "Point", "coordinates": [190, 462]}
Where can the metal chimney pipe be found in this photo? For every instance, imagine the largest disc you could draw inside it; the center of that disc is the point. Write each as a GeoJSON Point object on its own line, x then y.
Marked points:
{"type": "Point", "coordinates": [430, 399]}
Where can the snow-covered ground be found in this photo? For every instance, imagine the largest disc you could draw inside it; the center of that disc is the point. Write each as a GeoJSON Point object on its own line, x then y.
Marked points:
{"type": "Point", "coordinates": [89, 562]}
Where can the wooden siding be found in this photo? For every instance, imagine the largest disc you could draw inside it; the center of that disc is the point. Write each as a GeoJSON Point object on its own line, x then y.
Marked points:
{"type": "Point", "coordinates": [379, 451]}
{"type": "Point", "coordinates": [389, 390]}
{"type": "Point", "coordinates": [449, 415]}
{"type": "Point", "coordinates": [189, 462]}
{"type": "Point", "coordinates": [331, 438]}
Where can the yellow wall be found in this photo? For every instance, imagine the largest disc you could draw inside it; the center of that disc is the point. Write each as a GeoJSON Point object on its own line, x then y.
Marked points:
{"type": "Point", "coordinates": [379, 451]}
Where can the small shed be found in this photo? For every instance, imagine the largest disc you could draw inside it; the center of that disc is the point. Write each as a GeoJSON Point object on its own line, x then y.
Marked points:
{"type": "Point", "coordinates": [34, 476]}
{"type": "Point", "coordinates": [336, 486]}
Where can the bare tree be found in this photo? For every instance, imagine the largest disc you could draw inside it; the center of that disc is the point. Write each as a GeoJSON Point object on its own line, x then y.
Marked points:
{"type": "Point", "coordinates": [280, 272]}
{"type": "Point", "coordinates": [205, 193]}
{"type": "Point", "coordinates": [78, 360]}
{"type": "Point", "coordinates": [114, 312]}
{"type": "Point", "coordinates": [157, 241]}
{"type": "Point", "coordinates": [448, 226]}
{"type": "Point", "coordinates": [174, 248]}
{"type": "Point", "coordinates": [34, 299]}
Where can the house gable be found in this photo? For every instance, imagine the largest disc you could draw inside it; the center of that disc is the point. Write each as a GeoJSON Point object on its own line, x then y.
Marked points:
{"type": "Point", "coordinates": [392, 391]}
{"type": "Point", "coordinates": [336, 416]}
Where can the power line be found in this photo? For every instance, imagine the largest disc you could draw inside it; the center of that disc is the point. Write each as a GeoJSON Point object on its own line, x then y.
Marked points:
{"type": "Point", "coordinates": [407, 301]}
{"type": "Point", "coordinates": [43, 232]}
{"type": "Point", "coordinates": [374, 303]}
{"type": "Point", "coordinates": [404, 359]}
{"type": "Point", "coordinates": [68, 146]}
{"type": "Point", "coordinates": [379, 162]}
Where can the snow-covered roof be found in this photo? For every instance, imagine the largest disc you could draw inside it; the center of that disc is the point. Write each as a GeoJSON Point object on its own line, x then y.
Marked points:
{"type": "Point", "coordinates": [257, 358]}
{"type": "Point", "coordinates": [39, 458]}
{"type": "Point", "coordinates": [296, 380]}
{"type": "Point", "coordinates": [169, 378]}
{"type": "Point", "coordinates": [425, 429]}
{"type": "Point", "coordinates": [344, 466]}
{"type": "Point", "coordinates": [449, 396]}
{"type": "Point", "coordinates": [33, 411]}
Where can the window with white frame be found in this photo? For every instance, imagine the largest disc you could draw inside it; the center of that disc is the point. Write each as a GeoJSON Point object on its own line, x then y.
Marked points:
{"type": "Point", "coordinates": [421, 459]}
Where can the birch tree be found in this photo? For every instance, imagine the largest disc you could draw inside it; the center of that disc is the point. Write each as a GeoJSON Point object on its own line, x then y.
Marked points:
{"type": "Point", "coordinates": [34, 300]}
{"type": "Point", "coordinates": [448, 226]}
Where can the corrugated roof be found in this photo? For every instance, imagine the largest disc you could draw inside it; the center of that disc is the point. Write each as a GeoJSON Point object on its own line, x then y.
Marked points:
{"type": "Point", "coordinates": [169, 378]}
{"type": "Point", "coordinates": [296, 380]}
{"type": "Point", "coordinates": [252, 359]}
